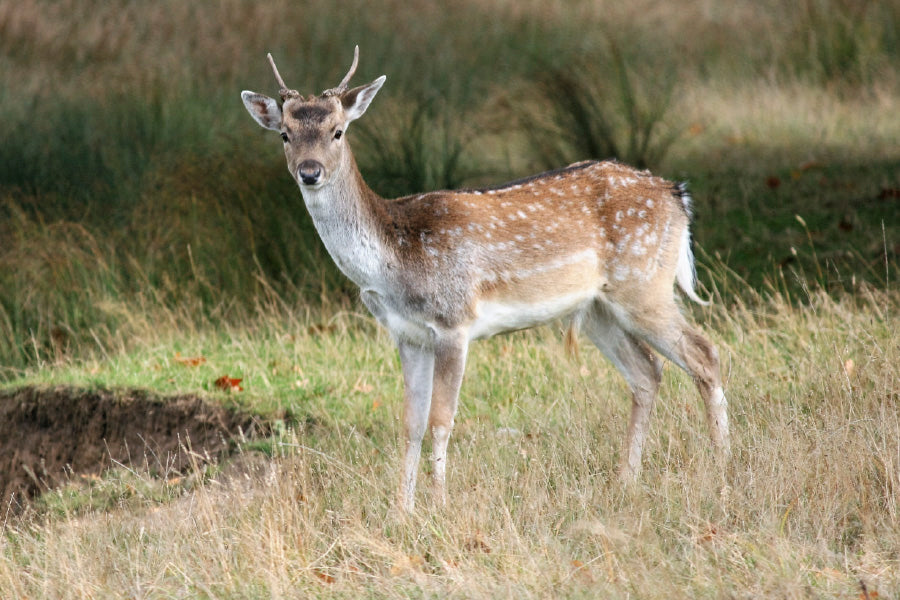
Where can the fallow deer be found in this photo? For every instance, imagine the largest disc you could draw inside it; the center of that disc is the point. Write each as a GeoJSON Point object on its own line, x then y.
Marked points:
{"type": "Point", "coordinates": [598, 243]}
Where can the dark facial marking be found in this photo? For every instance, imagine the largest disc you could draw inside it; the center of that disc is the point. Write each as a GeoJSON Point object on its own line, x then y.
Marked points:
{"type": "Point", "coordinates": [311, 114]}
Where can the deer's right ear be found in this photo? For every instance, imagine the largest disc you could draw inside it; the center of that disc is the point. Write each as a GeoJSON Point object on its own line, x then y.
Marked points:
{"type": "Point", "coordinates": [262, 108]}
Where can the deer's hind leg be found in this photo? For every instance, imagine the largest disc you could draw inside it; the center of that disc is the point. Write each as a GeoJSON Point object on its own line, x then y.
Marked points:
{"type": "Point", "coordinates": [667, 331]}
{"type": "Point", "coordinates": [641, 369]}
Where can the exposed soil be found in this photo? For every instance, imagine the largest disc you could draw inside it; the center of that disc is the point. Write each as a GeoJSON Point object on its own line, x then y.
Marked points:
{"type": "Point", "coordinates": [48, 435]}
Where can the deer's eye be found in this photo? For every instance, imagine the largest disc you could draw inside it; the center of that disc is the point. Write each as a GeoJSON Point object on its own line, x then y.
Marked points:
{"type": "Point", "coordinates": [284, 137]}
{"type": "Point", "coordinates": [338, 134]}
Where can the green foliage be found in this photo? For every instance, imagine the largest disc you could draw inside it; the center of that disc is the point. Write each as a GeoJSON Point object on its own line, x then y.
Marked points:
{"type": "Point", "coordinates": [845, 42]}
{"type": "Point", "coordinates": [597, 114]}
{"type": "Point", "coordinates": [415, 149]}
{"type": "Point", "coordinates": [134, 187]}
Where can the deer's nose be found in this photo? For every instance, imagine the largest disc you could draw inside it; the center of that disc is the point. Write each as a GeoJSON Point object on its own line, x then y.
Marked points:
{"type": "Point", "coordinates": [310, 172]}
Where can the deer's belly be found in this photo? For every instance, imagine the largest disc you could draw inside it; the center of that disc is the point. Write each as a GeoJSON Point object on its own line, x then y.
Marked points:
{"type": "Point", "coordinates": [493, 317]}
{"type": "Point", "coordinates": [536, 294]}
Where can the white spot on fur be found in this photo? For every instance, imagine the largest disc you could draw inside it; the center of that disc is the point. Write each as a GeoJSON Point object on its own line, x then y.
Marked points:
{"type": "Point", "coordinates": [621, 272]}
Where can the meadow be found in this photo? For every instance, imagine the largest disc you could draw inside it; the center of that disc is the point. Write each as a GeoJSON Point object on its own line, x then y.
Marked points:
{"type": "Point", "coordinates": [145, 219]}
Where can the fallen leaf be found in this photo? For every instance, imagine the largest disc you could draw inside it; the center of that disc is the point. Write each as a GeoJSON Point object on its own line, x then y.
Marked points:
{"type": "Point", "coordinates": [773, 182]}
{"type": "Point", "coordinates": [324, 576]}
{"type": "Point", "coordinates": [189, 361]}
{"type": "Point", "coordinates": [450, 564]}
{"type": "Point", "coordinates": [582, 572]}
{"type": "Point", "coordinates": [709, 535]}
{"type": "Point", "coordinates": [229, 384]}
{"type": "Point", "coordinates": [864, 593]}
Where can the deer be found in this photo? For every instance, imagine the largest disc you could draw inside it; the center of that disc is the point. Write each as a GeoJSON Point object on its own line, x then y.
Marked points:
{"type": "Point", "coordinates": [596, 244]}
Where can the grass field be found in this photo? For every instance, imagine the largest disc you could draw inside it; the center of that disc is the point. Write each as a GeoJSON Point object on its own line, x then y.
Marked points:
{"type": "Point", "coordinates": [145, 219]}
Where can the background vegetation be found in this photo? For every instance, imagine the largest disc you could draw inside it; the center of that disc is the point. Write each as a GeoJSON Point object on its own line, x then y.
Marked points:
{"type": "Point", "coordinates": [143, 213]}
{"type": "Point", "coordinates": [130, 177]}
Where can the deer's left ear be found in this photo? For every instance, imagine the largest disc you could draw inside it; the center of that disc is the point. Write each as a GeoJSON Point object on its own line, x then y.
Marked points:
{"type": "Point", "coordinates": [263, 109]}
{"type": "Point", "coordinates": [357, 100]}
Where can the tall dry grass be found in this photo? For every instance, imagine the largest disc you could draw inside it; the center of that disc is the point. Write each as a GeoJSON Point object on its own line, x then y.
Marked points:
{"type": "Point", "coordinates": [806, 506]}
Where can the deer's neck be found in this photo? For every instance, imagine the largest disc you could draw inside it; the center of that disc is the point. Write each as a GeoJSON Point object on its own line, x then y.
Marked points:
{"type": "Point", "coordinates": [343, 213]}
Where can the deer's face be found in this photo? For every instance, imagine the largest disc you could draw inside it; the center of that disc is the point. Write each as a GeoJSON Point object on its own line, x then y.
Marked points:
{"type": "Point", "coordinates": [313, 137]}
{"type": "Point", "coordinates": [313, 129]}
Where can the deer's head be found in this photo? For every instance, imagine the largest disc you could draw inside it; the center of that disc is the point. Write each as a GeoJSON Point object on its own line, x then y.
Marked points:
{"type": "Point", "coordinates": [313, 128]}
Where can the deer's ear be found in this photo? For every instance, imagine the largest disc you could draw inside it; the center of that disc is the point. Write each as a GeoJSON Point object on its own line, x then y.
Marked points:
{"type": "Point", "coordinates": [262, 108]}
{"type": "Point", "coordinates": [357, 100]}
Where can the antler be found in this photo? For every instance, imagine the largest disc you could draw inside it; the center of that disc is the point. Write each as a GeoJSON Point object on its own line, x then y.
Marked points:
{"type": "Point", "coordinates": [285, 92]}
{"type": "Point", "coordinates": [345, 82]}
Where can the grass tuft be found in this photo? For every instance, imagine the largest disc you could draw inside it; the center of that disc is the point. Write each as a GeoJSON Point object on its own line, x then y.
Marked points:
{"type": "Point", "coordinates": [598, 112]}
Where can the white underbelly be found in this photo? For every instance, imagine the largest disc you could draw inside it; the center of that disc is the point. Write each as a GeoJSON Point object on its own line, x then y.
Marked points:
{"type": "Point", "coordinates": [493, 317]}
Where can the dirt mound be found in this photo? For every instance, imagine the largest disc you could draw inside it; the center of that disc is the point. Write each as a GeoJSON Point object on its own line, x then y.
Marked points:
{"type": "Point", "coordinates": [49, 434]}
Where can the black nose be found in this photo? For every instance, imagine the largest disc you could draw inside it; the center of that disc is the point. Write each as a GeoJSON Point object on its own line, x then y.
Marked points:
{"type": "Point", "coordinates": [310, 172]}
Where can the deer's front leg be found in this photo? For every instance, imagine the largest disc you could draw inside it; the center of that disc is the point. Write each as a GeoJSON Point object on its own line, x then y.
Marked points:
{"type": "Point", "coordinates": [449, 365]}
{"type": "Point", "coordinates": [418, 373]}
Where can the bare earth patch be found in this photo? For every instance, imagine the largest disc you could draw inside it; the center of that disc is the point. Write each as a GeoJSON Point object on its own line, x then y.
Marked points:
{"type": "Point", "coordinates": [48, 435]}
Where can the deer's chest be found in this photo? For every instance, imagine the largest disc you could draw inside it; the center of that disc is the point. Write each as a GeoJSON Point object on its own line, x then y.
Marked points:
{"type": "Point", "coordinates": [403, 324]}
